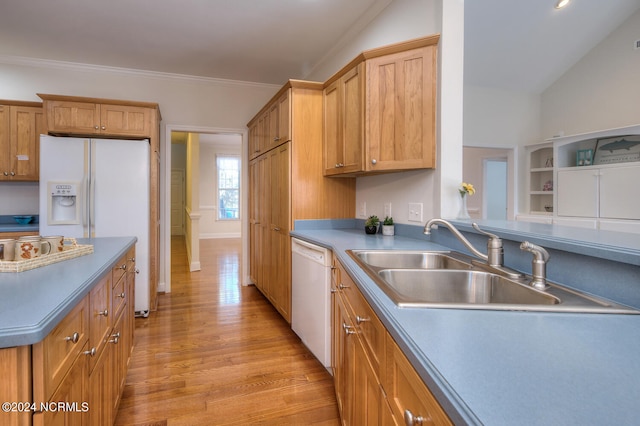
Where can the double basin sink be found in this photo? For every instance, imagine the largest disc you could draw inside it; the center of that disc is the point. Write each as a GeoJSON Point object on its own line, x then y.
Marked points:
{"type": "Point", "coordinates": [432, 279]}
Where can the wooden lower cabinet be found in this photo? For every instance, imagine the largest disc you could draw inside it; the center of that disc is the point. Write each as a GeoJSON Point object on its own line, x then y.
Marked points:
{"type": "Point", "coordinates": [375, 383]}
{"type": "Point", "coordinates": [75, 376]}
{"type": "Point", "coordinates": [72, 393]}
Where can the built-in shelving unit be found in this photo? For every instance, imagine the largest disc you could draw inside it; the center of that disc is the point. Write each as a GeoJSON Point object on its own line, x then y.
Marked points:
{"type": "Point", "coordinates": [596, 190]}
{"type": "Point", "coordinates": [541, 179]}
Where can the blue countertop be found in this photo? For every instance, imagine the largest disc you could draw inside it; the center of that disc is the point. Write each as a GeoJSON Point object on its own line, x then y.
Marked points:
{"type": "Point", "coordinates": [506, 368]}
{"type": "Point", "coordinates": [33, 302]}
{"type": "Point", "coordinates": [8, 224]}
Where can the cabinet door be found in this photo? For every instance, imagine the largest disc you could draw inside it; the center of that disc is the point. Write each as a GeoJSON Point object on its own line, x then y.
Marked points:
{"type": "Point", "coordinates": [5, 142]}
{"type": "Point", "coordinates": [578, 193]}
{"type": "Point", "coordinates": [120, 356]}
{"type": "Point", "coordinates": [284, 117]}
{"type": "Point", "coordinates": [273, 139]}
{"type": "Point", "coordinates": [99, 318]}
{"type": "Point", "coordinates": [407, 393]}
{"type": "Point", "coordinates": [343, 123]}
{"type": "Point", "coordinates": [280, 285]}
{"type": "Point", "coordinates": [72, 390]}
{"type": "Point", "coordinates": [73, 117]}
{"type": "Point", "coordinates": [332, 157]}
{"type": "Point", "coordinates": [101, 389]}
{"type": "Point", "coordinates": [368, 395]}
{"type": "Point", "coordinates": [254, 143]}
{"type": "Point", "coordinates": [352, 111]}
{"type": "Point", "coordinates": [400, 111]}
{"type": "Point", "coordinates": [619, 193]}
{"type": "Point", "coordinates": [343, 337]}
{"type": "Point", "coordinates": [27, 123]}
{"type": "Point", "coordinates": [125, 120]}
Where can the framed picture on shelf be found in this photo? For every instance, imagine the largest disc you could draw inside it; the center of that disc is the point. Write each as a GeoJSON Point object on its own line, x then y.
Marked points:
{"type": "Point", "coordinates": [620, 149]}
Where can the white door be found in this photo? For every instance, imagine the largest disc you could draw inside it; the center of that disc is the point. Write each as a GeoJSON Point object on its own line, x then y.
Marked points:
{"type": "Point", "coordinates": [578, 193]}
{"type": "Point", "coordinates": [177, 202]}
{"type": "Point", "coordinates": [121, 201]}
{"type": "Point", "coordinates": [619, 198]}
{"type": "Point", "coordinates": [495, 193]}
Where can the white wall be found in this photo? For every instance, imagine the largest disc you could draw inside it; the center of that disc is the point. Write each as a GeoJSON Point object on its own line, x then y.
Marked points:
{"type": "Point", "coordinates": [186, 101]}
{"type": "Point", "coordinates": [602, 91]}
{"type": "Point", "coordinates": [496, 118]}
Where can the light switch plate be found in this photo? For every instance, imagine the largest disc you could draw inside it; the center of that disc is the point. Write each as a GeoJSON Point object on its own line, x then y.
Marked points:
{"type": "Point", "coordinates": [362, 210]}
{"type": "Point", "coordinates": [415, 212]}
{"type": "Point", "coordinates": [387, 209]}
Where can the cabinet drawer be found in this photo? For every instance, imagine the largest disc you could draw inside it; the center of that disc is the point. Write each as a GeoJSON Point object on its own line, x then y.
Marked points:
{"type": "Point", "coordinates": [100, 314]}
{"type": "Point", "coordinates": [53, 356]}
{"type": "Point", "coordinates": [119, 269]}
{"type": "Point", "coordinates": [119, 296]}
{"type": "Point", "coordinates": [367, 323]}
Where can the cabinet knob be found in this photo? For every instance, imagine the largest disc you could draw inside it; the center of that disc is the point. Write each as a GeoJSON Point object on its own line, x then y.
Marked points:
{"type": "Point", "coordinates": [123, 267]}
{"type": "Point", "coordinates": [74, 338]}
{"type": "Point", "coordinates": [342, 286]}
{"type": "Point", "coordinates": [104, 127]}
{"type": "Point", "coordinates": [338, 165]}
{"type": "Point", "coordinates": [104, 313]}
{"type": "Point", "coordinates": [6, 174]}
{"type": "Point", "coordinates": [91, 352]}
{"type": "Point", "coordinates": [276, 139]}
{"type": "Point", "coordinates": [374, 161]}
{"type": "Point", "coordinates": [12, 173]}
{"type": "Point", "coordinates": [360, 319]}
{"type": "Point", "coordinates": [276, 229]}
{"type": "Point", "coordinates": [121, 295]}
{"type": "Point", "coordinates": [96, 127]}
{"type": "Point", "coordinates": [411, 420]}
{"type": "Point", "coordinates": [116, 338]}
{"type": "Point", "coordinates": [347, 329]}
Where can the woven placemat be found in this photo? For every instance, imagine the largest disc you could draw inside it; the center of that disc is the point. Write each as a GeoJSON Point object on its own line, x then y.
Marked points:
{"type": "Point", "coordinates": [70, 251]}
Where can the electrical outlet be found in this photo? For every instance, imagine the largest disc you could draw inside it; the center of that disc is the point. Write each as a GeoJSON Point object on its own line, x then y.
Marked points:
{"type": "Point", "coordinates": [387, 209]}
{"type": "Point", "coordinates": [415, 212]}
{"type": "Point", "coordinates": [362, 210]}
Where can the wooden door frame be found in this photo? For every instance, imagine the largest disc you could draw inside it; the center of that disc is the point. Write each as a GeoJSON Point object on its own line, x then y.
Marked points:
{"type": "Point", "coordinates": [165, 198]}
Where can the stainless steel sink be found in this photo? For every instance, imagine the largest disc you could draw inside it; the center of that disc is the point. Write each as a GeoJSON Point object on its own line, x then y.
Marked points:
{"type": "Point", "coordinates": [438, 279]}
{"type": "Point", "coordinates": [417, 287]}
{"type": "Point", "coordinates": [410, 259]}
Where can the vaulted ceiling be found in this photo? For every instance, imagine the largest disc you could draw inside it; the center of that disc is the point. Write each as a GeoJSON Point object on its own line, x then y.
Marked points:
{"type": "Point", "coordinates": [521, 45]}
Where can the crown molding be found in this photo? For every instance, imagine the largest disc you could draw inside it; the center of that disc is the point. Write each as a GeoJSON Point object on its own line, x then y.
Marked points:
{"type": "Point", "coordinates": [75, 66]}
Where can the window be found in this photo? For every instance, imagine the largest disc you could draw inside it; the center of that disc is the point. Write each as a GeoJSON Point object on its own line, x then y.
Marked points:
{"type": "Point", "coordinates": [228, 187]}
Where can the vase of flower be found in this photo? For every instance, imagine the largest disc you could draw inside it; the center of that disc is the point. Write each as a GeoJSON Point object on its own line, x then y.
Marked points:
{"type": "Point", "coordinates": [464, 190]}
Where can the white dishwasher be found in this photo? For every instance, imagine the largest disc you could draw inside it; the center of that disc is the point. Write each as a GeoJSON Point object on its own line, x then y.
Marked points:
{"type": "Point", "coordinates": [311, 297]}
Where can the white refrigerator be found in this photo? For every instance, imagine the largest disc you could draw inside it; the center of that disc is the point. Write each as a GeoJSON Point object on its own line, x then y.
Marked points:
{"type": "Point", "coordinates": [98, 188]}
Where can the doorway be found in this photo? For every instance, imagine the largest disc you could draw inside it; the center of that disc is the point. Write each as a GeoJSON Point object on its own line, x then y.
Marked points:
{"type": "Point", "coordinates": [194, 211]}
{"type": "Point", "coordinates": [492, 171]}
{"type": "Point", "coordinates": [494, 201]}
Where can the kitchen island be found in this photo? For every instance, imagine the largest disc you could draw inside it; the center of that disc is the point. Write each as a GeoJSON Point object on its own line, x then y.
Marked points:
{"type": "Point", "coordinates": [66, 334]}
{"type": "Point", "coordinates": [510, 367]}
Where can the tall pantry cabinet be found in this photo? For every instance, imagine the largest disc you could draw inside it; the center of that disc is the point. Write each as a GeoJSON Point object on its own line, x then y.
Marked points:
{"type": "Point", "coordinates": [286, 184]}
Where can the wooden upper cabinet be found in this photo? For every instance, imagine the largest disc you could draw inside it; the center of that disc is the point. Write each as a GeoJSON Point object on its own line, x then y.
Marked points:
{"type": "Point", "coordinates": [21, 124]}
{"type": "Point", "coordinates": [69, 115]}
{"type": "Point", "coordinates": [343, 121]}
{"type": "Point", "coordinates": [379, 111]}
{"type": "Point", "coordinates": [272, 126]}
{"type": "Point", "coordinates": [401, 94]}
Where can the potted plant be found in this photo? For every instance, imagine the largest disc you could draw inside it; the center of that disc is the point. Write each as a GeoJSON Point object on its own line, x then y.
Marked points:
{"type": "Point", "coordinates": [371, 224]}
{"type": "Point", "coordinates": [387, 226]}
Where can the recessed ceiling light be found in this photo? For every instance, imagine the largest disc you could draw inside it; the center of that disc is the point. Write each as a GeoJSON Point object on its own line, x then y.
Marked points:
{"type": "Point", "coordinates": [562, 3]}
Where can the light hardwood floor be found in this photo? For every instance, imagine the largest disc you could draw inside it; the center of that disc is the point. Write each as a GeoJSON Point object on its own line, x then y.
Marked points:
{"type": "Point", "coordinates": [217, 353]}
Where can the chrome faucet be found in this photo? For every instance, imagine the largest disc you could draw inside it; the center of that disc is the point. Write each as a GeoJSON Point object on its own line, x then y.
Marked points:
{"type": "Point", "coordinates": [494, 259]}
{"type": "Point", "coordinates": [538, 265]}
